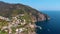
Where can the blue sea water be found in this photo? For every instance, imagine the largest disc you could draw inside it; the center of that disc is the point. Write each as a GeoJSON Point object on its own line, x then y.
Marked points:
{"type": "Point", "coordinates": [52, 26]}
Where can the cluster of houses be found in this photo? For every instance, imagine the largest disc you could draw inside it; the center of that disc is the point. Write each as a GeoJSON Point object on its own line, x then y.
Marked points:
{"type": "Point", "coordinates": [4, 18]}
{"type": "Point", "coordinates": [14, 23]}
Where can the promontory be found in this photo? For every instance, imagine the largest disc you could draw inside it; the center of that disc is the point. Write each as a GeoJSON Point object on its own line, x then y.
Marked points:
{"type": "Point", "coordinates": [19, 18]}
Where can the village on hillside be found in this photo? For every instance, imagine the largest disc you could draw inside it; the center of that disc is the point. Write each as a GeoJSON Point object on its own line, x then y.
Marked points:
{"type": "Point", "coordinates": [16, 25]}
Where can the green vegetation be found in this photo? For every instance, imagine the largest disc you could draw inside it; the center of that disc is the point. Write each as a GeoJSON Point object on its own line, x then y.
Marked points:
{"type": "Point", "coordinates": [3, 23]}
{"type": "Point", "coordinates": [16, 12]}
{"type": "Point", "coordinates": [3, 32]}
{"type": "Point", "coordinates": [13, 30]}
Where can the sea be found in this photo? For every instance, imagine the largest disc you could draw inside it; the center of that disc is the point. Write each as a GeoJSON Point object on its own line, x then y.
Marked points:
{"type": "Point", "coordinates": [51, 26]}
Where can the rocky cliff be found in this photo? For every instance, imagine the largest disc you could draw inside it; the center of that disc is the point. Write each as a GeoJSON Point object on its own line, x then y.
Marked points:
{"type": "Point", "coordinates": [19, 18]}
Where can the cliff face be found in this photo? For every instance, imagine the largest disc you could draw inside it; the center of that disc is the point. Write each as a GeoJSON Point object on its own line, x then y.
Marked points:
{"type": "Point", "coordinates": [19, 16]}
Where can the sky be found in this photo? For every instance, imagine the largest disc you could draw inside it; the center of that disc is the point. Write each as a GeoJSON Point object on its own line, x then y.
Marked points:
{"type": "Point", "coordinates": [38, 4]}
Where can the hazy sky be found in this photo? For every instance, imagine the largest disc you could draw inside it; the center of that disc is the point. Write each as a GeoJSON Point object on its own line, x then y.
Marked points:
{"type": "Point", "coordinates": [39, 4]}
